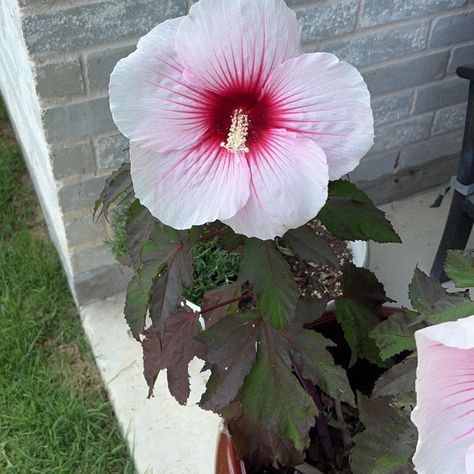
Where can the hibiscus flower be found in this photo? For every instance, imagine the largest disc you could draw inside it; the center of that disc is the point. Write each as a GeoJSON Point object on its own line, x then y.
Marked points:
{"type": "Point", "coordinates": [444, 414]}
{"type": "Point", "coordinates": [229, 120]}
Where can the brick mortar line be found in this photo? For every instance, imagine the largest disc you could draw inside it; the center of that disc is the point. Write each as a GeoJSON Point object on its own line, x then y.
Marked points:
{"type": "Point", "coordinates": [65, 101]}
{"type": "Point", "coordinates": [392, 93]}
{"type": "Point", "coordinates": [450, 59]}
{"type": "Point", "coordinates": [67, 143]}
{"type": "Point", "coordinates": [59, 56]}
{"type": "Point", "coordinates": [404, 120]}
{"type": "Point", "coordinates": [450, 133]}
{"type": "Point", "coordinates": [49, 103]}
{"type": "Point", "coordinates": [304, 4]}
{"type": "Point", "coordinates": [446, 107]}
{"type": "Point", "coordinates": [362, 34]}
{"type": "Point", "coordinates": [445, 78]}
{"type": "Point", "coordinates": [415, 99]}
{"type": "Point", "coordinates": [430, 32]}
{"type": "Point", "coordinates": [433, 118]}
{"type": "Point", "coordinates": [437, 112]}
{"type": "Point", "coordinates": [416, 143]}
{"type": "Point", "coordinates": [81, 178]}
{"type": "Point", "coordinates": [414, 55]}
{"type": "Point", "coordinates": [94, 155]}
{"type": "Point", "coordinates": [84, 73]}
{"type": "Point", "coordinates": [360, 12]}
{"type": "Point", "coordinates": [358, 31]}
{"type": "Point", "coordinates": [101, 135]}
{"type": "Point", "coordinates": [106, 134]}
{"type": "Point", "coordinates": [392, 25]}
{"type": "Point", "coordinates": [38, 9]}
{"type": "Point", "coordinates": [84, 178]}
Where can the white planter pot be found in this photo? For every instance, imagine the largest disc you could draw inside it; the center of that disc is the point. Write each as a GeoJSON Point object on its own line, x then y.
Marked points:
{"type": "Point", "coordinates": [360, 253]}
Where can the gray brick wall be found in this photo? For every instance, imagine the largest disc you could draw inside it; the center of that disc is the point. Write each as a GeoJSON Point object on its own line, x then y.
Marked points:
{"type": "Point", "coordinates": [407, 50]}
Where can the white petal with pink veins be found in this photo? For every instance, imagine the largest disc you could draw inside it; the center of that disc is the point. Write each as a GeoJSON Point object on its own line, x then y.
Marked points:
{"type": "Point", "coordinates": [234, 44]}
{"type": "Point", "coordinates": [190, 187]}
{"type": "Point", "coordinates": [289, 185]}
{"type": "Point", "coordinates": [151, 102]}
{"type": "Point", "coordinates": [444, 414]}
{"type": "Point", "coordinates": [328, 101]}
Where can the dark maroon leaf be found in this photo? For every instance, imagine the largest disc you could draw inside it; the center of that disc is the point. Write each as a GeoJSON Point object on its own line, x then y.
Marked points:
{"type": "Point", "coordinates": [350, 215]}
{"type": "Point", "coordinates": [151, 346]}
{"type": "Point", "coordinates": [163, 245]}
{"type": "Point", "coordinates": [309, 310]}
{"type": "Point", "coordinates": [178, 349]}
{"type": "Point", "coordinates": [315, 363]}
{"type": "Point", "coordinates": [389, 440]}
{"type": "Point", "coordinates": [359, 310]}
{"type": "Point", "coordinates": [399, 379]}
{"type": "Point", "coordinates": [362, 285]}
{"type": "Point", "coordinates": [357, 322]}
{"type": "Point", "coordinates": [272, 396]}
{"type": "Point", "coordinates": [140, 225]}
{"type": "Point", "coordinates": [231, 349]}
{"type": "Point", "coordinates": [309, 246]}
{"type": "Point", "coordinates": [167, 288]}
{"type": "Point", "coordinates": [396, 334]}
{"type": "Point", "coordinates": [434, 303]}
{"type": "Point", "coordinates": [213, 302]}
{"type": "Point", "coordinates": [116, 186]}
{"type": "Point", "coordinates": [268, 273]}
{"type": "Point", "coordinates": [259, 447]}
{"type": "Point", "coordinates": [137, 297]}
{"type": "Point", "coordinates": [459, 267]}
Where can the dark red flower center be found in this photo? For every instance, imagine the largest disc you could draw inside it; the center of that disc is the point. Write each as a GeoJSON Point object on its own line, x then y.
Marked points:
{"type": "Point", "coordinates": [239, 116]}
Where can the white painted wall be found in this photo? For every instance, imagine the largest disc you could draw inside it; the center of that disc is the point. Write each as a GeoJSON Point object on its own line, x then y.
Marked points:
{"type": "Point", "coordinates": [17, 85]}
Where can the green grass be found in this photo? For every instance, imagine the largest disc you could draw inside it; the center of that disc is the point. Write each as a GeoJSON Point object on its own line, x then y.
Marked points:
{"type": "Point", "coordinates": [54, 413]}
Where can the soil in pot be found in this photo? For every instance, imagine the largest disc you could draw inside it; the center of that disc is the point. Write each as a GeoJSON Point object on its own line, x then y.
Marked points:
{"type": "Point", "coordinates": [320, 281]}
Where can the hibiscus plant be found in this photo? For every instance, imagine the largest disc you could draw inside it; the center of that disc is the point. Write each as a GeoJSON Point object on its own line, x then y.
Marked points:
{"type": "Point", "coordinates": [237, 219]}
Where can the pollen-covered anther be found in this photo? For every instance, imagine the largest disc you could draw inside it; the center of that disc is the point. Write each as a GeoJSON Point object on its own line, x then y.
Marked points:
{"type": "Point", "coordinates": [238, 133]}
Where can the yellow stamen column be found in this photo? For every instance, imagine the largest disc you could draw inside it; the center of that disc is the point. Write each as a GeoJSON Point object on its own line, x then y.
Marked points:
{"type": "Point", "coordinates": [239, 129]}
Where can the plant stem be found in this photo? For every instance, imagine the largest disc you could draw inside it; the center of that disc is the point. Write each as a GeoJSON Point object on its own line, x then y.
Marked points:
{"type": "Point", "coordinates": [321, 421]}
{"type": "Point", "coordinates": [212, 234]}
{"type": "Point", "coordinates": [225, 303]}
{"type": "Point", "coordinates": [346, 437]}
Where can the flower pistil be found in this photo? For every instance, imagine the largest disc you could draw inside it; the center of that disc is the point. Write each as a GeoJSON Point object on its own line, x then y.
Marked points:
{"type": "Point", "coordinates": [238, 132]}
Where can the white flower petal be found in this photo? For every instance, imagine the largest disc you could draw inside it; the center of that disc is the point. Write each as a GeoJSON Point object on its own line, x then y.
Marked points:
{"type": "Point", "coordinates": [289, 185]}
{"type": "Point", "coordinates": [444, 414]}
{"type": "Point", "coordinates": [190, 187]}
{"type": "Point", "coordinates": [328, 101]}
{"type": "Point", "coordinates": [229, 45]}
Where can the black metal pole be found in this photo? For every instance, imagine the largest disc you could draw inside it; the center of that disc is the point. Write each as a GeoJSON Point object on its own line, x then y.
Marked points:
{"type": "Point", "coordinates": [459, 223]}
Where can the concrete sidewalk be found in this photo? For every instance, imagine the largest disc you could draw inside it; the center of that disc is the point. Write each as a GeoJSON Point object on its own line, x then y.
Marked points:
{"type": "Point", "coordinates": [420, 228]}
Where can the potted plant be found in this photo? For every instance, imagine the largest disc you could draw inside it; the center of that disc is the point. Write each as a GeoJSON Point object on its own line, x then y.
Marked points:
{"type": "Point", "coordinates": [233, 200]}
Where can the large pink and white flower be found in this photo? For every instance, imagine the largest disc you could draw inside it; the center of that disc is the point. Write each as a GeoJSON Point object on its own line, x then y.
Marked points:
{"type": "Point", "coordinates": [229, 120]}
{"type": "Point", "coordinates": [444, 414]}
